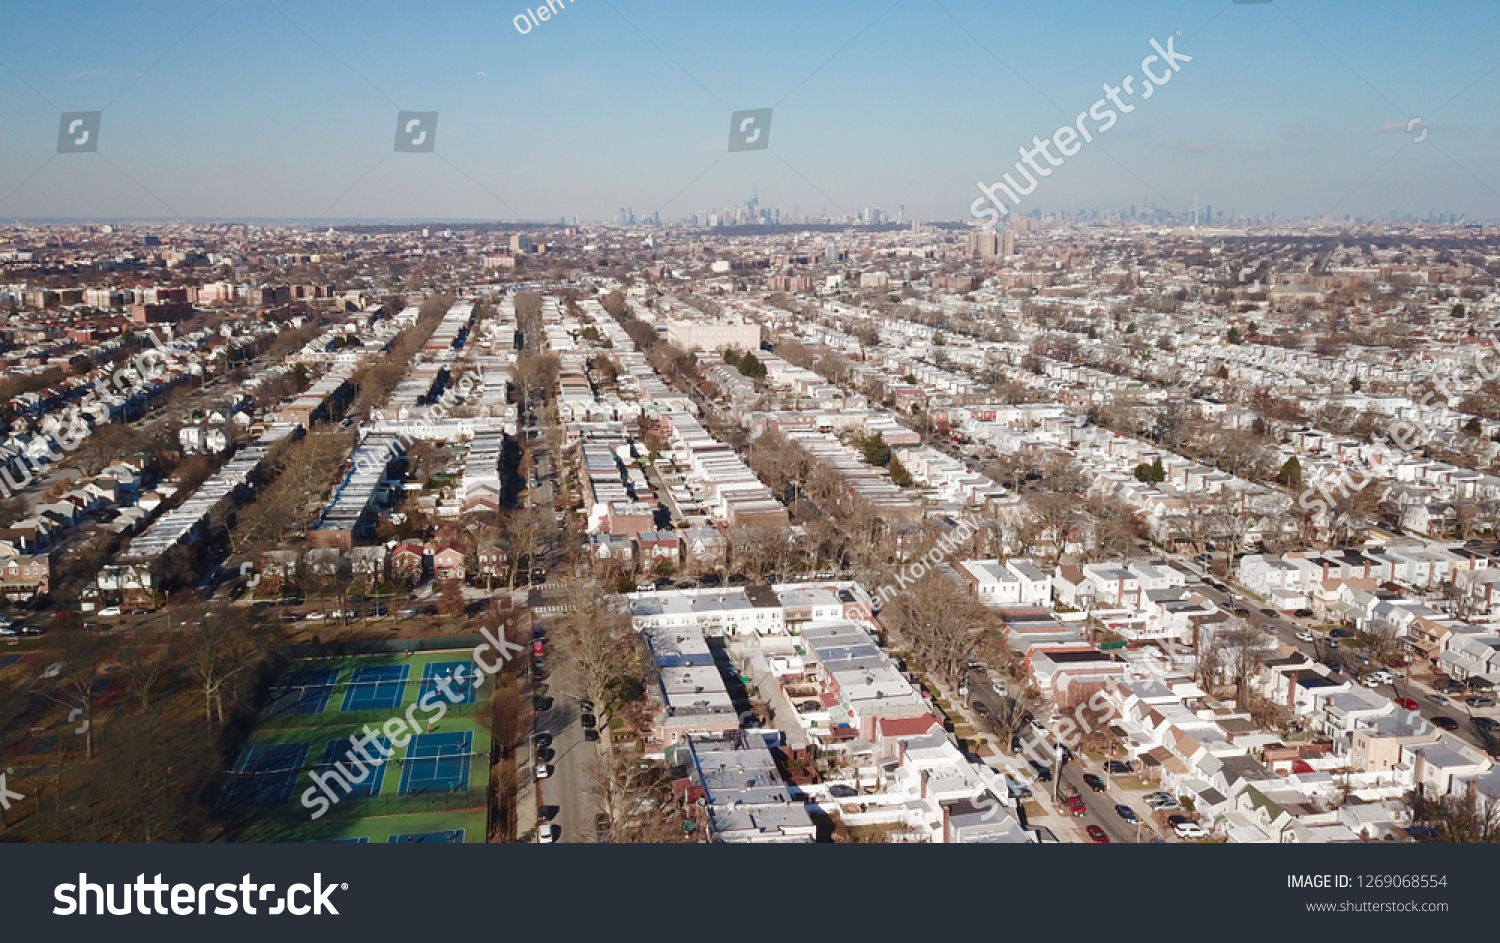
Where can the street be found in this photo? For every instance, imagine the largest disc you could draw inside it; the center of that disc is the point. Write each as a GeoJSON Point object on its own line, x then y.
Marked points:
{"type": "Point", "coordinates": [568, 794]}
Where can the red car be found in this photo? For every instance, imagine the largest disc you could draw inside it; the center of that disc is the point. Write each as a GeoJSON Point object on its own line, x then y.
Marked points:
{"type": "Point", "coordinates": [1075, 805]}
{"type": "Point", "coordinates": [536, 648]}
{"type": "Point", "coordinates": [1398, 663]}
{"type": "Point", "coordinates": [1409, 703]}
{"type": "Point", "coordinates": [1097, 834]}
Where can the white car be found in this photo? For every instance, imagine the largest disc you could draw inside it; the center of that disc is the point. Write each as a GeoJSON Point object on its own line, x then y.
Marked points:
{"type": "Point", "coordinates": [548, 833]}
{"type": "Point", "coordinates": [53, 670]}
{"type": "Point", "coordinates": [9, 630]}
{"type": "Point", "coordinates": [1379, 676]}
{"type": "Point", "coordinates": [109, 612]}
{"type": "Point", "coordinates": [315, 617]}
{"type": "Point", "coordinates": [1304, 636]}
{"type": "Point", "coordinates": [1189, 830]}
{"type": "Point", "coordinates": [543, 771]}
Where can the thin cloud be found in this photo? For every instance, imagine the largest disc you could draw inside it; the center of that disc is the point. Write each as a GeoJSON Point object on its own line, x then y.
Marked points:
{"type": "Point", "coordinates": [1200, 147]}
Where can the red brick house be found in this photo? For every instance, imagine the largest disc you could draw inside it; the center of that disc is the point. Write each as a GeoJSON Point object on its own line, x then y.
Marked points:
{"type": "Point", "coordinates": [23, 578]}
{"type": "Point", "coordinates": [655, 545]}
{"type": "Point", "coordinates": [408, 563]}
{"type": "Point", "coordinates": [447, 562]}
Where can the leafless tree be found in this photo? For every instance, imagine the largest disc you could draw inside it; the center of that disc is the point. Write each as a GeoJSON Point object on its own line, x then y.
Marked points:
{"type": "Point", "coordinates": [1468, 819]}
{"type": "Point", "coordinates": [220, 647]}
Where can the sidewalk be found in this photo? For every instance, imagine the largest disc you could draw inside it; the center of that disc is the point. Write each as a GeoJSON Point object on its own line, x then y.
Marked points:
{"type": "Point", "coordinates": [1014, 766]}
{"type": "Point", "coordinates": [526, 797]}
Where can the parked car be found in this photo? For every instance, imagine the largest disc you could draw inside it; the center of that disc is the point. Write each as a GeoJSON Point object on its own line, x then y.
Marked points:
{"type": "Point", "coordinates": [40, 630]}
{"type": "Point", "coordinates": [1480, 700]}
{"type": "Point", "coordinates": [1127, 813]}
{"type": "Point", "coordinates": [1303, 613]}
{"type": "Point", "coordinates": [1162, 802]}
{"type": "Point", "coordinates": [1409, 703]}
{"type": "Point", "coordinates": [1119, 767]}
{"type": "Point", "coordinates": [1043, 771]}
{"type": "Point", "coordinates": [548, 833]}
{"type": "Point", "coordinates": [591, 735]}
{"type": "Point", "coordinates": [1093, 781]}
{"type": "Point", "coordinates": [543, 771]}
{"type": "Point", "coordinates": [1380, 676]}
{"type": "Point", "coordinates": [542, 740]}
{"type": "Point", "coordinates": [588, 721]}
{"type": "Point", "coordinates": [1241, 611]}
{"type": "Point", "coordinates": [1189, 830]}
{"type": "Point", "coordinates": [9, 630]}
{"type": "Point", "coordinates": [1269, 613]}
{"type": "Point", "coordinates": [1487, 723]}
{"type": "Point", "coordinates": [1439, 700]}
{"type": "Point", "coordinates": [1075, 805]}
{"type": "Point", "coordinates": [1444, 723]}
{"type": "Point", "coordinates": [1097, 834]}
{"type": "Point", "coordinates": [109, 612]}
{"type": "Point", "coordinates": [1304, 636]}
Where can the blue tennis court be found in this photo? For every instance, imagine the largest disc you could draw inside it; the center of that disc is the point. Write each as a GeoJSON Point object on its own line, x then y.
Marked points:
{"type": "Point", "coordinates": [455, 837]}
{"type": "Point", "coordinates": [342, 751]}
{"type": "Point", "coordinates": [7, 660]}
{"type": "Point", "coordinates": [463, 686]}
{"type": "Point", "coordinates": [378, 688]}
{"type": "Point", "coordinates": [266, 774]}
{"type": "Point", "coordinates": [437, 763]}
{"type": "Point", "coordinates": [306, 692]}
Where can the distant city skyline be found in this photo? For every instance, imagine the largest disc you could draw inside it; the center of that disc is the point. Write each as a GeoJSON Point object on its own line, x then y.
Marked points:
{"type": "Point", "coordinates": [285, 112]}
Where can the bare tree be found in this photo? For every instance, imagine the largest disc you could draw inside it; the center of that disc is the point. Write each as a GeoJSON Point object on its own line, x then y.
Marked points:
{"type": "Point", "coordinates": [219, 648]}
{"type": "Point", "coordinates": [83, 656]}
{"type": "Point", "coordinates": [1468, 819]}
{"type": "Point", "coordinates": [945, 628]}
{"type": "Point", "coordinates": [597, 639]}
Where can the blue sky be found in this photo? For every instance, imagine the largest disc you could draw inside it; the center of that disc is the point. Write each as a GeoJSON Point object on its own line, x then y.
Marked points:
{"type": "Point", "coordinates": [229, 110]}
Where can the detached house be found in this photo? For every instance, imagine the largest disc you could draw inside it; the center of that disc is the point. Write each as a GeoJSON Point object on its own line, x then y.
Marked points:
{"type": "Point", "coordinates": [447, 562]}
{"type": "Point", "coordinates": [24, 577]}
{"type": "Point", "coordinates": [408, 563]}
